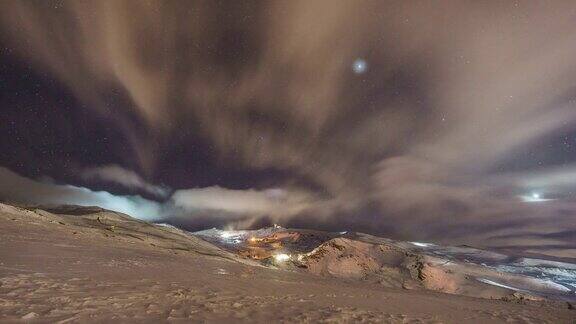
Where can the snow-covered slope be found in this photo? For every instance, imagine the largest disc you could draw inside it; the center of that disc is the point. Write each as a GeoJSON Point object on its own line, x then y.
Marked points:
{"type": "Point", "coordinates": [457, 270]}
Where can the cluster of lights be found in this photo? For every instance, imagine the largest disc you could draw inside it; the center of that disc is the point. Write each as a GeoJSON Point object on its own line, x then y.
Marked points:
{"type": "Point", "coordinates": [231, 236]}
{"type": "Point", "coordinates": [281, 257]}
{"type": "Point", "coordinates": [235, 237]}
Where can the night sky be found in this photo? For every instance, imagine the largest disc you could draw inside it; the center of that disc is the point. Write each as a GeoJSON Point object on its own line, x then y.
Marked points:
{"type": "Point", "coordinates": [452, 122]}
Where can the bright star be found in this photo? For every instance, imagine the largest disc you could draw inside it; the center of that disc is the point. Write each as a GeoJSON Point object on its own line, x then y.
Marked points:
{"type": "Point", "coordinates": [359, 66]}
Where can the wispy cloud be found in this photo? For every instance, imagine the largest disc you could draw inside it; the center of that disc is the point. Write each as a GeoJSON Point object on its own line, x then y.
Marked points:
{"type": "Point", "coordinates": [126, 178]}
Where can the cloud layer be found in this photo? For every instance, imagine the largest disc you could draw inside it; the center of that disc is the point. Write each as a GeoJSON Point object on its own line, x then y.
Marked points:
{"type": "Point", "coordinates": [15, 188]}
{"type": "Point", "coordinates": [254, 111]}
{"type": "Point", "coordinates": [126, 178]}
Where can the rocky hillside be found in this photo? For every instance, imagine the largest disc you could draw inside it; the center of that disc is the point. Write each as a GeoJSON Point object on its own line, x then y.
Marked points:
{"type": "Point", "coordinates": [395, 264]}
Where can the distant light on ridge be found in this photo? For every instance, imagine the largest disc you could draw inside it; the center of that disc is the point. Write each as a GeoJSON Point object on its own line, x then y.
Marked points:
{"type": "Point", "coordinates": [281, 257]}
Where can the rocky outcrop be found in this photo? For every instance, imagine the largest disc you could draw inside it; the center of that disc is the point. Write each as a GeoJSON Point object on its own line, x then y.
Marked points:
{"type": "Point", "coordinates": [346, 258]}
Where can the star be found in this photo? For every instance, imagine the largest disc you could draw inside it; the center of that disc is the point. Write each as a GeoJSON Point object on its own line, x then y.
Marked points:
{"type": "Point", "coordinates": [359, 66]}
